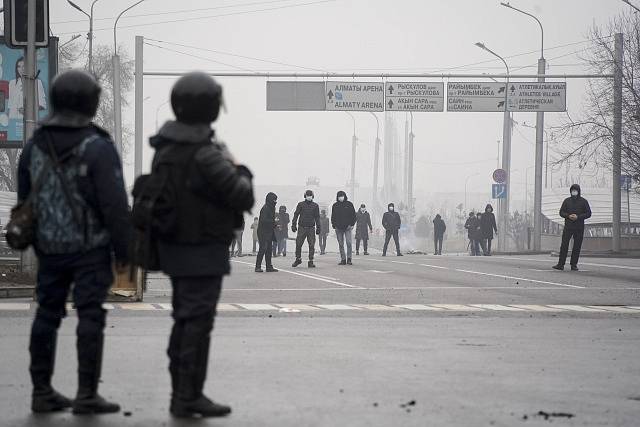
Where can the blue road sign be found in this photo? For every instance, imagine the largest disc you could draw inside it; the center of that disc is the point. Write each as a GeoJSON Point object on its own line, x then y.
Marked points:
{"type": "Point", "coordinates": [498, 191]}
{"type": "Point", "coordinates": [625, 182]}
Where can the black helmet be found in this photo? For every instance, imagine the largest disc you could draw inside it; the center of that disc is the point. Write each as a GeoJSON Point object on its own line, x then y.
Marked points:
{"type": "Point", "coordinates": [196, 98]}
{"type": "Point", "coordinates": [75, 95]}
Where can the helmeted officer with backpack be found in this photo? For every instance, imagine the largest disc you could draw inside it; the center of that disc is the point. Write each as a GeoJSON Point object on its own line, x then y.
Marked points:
{"type": "Point", "coordinates": [201, 195]}
{"type": "Point", "coordinates": [70, 176]}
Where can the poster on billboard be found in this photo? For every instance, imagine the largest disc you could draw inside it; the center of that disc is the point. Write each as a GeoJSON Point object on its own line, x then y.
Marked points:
{"type": "Point", "coordinates": [12, 68]}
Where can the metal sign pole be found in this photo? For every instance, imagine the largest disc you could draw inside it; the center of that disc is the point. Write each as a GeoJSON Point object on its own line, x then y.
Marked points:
{"type": "Point", "coordinates": [617, 142]}
{"type": "Point", "coordinates": [139, 100]}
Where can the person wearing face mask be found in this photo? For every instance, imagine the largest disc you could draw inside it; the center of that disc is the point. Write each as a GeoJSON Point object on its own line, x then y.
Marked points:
{"type": "Point", "coordinates": [324, 231]}
{"type": "Point", "coordinates": [488, 227]}
{"type": "Point", "coordinates": [391, 222]}
{"type": "Point", "coordinates": [575, 210]}
{"type": "Point", "coordinates": [363, 227]}
{"type": "Point", "coordinates": [282, 231]}
{"type": "Point", "coordinates": [478, 236]}
{"type": "Point", "coordinates": [266, 230]}
{"type": "Point", "coordinates": [307, 216]}
{"type": "Point", "coordinates": [343, 218]}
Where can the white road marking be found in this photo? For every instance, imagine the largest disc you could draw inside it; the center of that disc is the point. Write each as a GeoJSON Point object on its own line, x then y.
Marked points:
{"type": "Point", "coordinates": [496, 307]}
{"type": "Point", "coordinates": [378, 307]}
{"type": "Point", "coordinates": [137, 306]}
{"type": "Point", "coordinates": [456, 307]}
{"type": "Point", "coordinates": [534, 307]}
{"type": "Point", "coordinates": [544, 282]}
{"type": "Point", "coordinates": [337, 306]}
{"type": "Point", "coordinates": [434, 266]}
{"type": "Point", "coordinates": [615, 309]}
{"type": "Point", "coordinates": [334, 282]}
{"type": "Point", "coordinates": [168, 306]}
{"type": "Point", "coordinates": [379, 271]}
{"type": "Point", "coordinates": [402, 262]}
{"type": "Point", "coordinates": [624, 267]}
{"type": "Point", "coordinates": [418, 307]}
{"type": "Point", "coordinates": [301, 307]}
{"type": "Point", "coordinates": [258, 307]}
{"type": "Point", "coordinates": [14, 306]}
{"type": "Point", "coordinates": [226, 307]}
{"type": "Point", "coordinates": [580, 308]}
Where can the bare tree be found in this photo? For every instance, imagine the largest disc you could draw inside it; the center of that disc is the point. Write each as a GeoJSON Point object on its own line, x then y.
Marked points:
{"type": "Point", "coordinates": [588, 136]}
{"type": "Point", "coordinates": [74, 54]}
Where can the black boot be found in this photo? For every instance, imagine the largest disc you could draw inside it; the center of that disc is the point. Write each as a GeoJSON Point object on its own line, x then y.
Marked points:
{"type": "Point", "coordinates": [88, 401]}
{"type": "Point", "coordinates": [188, 399]}
{"type": "Point", "coordinates": [310, 264]}
{"type": "Point", "coordinates": [43, 354]}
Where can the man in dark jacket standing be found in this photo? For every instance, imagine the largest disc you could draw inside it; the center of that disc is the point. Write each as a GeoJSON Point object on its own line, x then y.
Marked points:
{"type": "Point", "coordinates": [575, 210]}
{"type": "Point", "coordinates": [266, 233]}
{"type": "Point", "coordinates": [439, 227]}
{"type": "Point", "coordinates": [343, 218]}
{"type": "Point", "coordinates": [282, 230]}
{"type": "Point", "coordinates": [391, 222]}
{"type": "Point", "coordinates": [363, 226]}
{"type": "Point", "coordinates": [211, 192]}
{"type": "Point", "coordinates": [307, 216]}
{"type": "Point", "coordinates": [324, 231]}
{"type": "Point", "coordinates": [83, 225]}
{"type": "Point", "coordinates": [488, 226]}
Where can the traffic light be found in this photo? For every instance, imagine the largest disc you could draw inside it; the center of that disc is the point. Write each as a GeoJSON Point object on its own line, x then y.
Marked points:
{"type": "Point", "coordinates": [15, 23]}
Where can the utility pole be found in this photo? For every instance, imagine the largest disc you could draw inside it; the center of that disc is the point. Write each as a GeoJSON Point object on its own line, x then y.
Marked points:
{"type": "Point", "coordinates": [139, 93]}
{"type": "Point", "coordinates": [28, 259]}
{"type": "Point", "coordinates": [410, 171]}
{"type": "Point", "coordinates": [617, 142]}
{"type": "Point", "coordinates": [376, 159]}
{"type": "Point", "coordinates": [354, 141]}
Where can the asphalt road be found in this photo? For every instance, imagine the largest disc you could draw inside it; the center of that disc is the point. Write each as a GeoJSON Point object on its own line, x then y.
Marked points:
{"type": "Point", "coordinates": [394, 341]}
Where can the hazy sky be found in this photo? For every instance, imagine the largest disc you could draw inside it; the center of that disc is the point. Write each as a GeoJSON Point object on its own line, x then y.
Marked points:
{"type": "Point", "coordinates": [349, 36]}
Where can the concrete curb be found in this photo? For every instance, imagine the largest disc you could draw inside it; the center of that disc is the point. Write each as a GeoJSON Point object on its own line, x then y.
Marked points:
{"type": "Point", "coordinates": [16, 291]}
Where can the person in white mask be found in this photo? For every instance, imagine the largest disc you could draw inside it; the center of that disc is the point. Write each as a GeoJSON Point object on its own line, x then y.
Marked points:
{"type": "Point", "coordinates": [575, 210]}
{"type": "Point", "coordinates": [363, 227]}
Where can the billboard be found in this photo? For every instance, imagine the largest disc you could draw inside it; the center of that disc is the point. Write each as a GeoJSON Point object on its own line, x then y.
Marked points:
{"type": "Point", "coordinates": [11, 94]}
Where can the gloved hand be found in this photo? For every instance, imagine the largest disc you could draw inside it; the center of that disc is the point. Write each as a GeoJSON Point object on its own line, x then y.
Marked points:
{"type": "Point", "coordinates": [318, 231]}
{"type": "Point", "coordinates": [294, 228]}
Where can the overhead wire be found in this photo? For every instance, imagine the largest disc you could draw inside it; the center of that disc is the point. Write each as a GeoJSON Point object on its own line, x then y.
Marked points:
{"type": "Point", "coordinates": [198, 18]}
{"type": "Point", "coordinates": [201, 57]}
{"type": "Point", "coordinates": [173, 12]}
{"type": "Point", "coordinates": [236, 55]}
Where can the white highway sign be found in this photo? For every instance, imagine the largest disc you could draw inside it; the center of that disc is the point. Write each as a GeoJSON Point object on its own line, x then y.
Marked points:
{"type": "Point", "coordinates": [535, 96]}
{"type": "Point", "coordinates": [475, 96]}
{"type": "Point", "coordinates": [355, 96]}
{"type": "Point", "coordinates": [414, 96]}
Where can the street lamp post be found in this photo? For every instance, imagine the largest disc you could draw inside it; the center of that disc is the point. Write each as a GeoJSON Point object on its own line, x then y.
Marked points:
{"type": "Point", "coordinates": [376, 159]}
{"type": "Point", "coordinates": [410, 171]}
{"type": "Point", "coordinates": [117, 95]}
{"type": "Point", "coordinates": [503, 204]}
{"type": "Point", "coordinates": [90, 34]}
{"type": "Point", "coordinates": [354, 141]}
{"type": "Point", "coordinates": [537, 201]}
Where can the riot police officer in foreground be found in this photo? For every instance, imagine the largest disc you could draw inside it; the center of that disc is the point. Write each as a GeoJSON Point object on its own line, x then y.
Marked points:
{"type": "Point", "coordinates": [71, 173]}
{"type": "Point", "coordinates": [211, 193]}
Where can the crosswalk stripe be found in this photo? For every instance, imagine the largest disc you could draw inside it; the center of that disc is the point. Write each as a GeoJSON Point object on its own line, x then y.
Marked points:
{"type": "Point", "coordinates": [456, 307]}
{"type": "Point", "coordinates": [138, 306]}
{"type": "Point", "coordinates": [336, 306]}
{"type": "Point", "coordinates": [418, 307]}
{"type": "Point", "coordinates": [496, 307]}
{"type": "Point", "coordinates": [301, 307]}
{"type": "Point", "coordinates": [616, 309]}
{"type": "Point", "coordinates": [258, 307]}
{"type": "Point", "coordinates": [580, 308]}
{"type": "Point", "coordinates": [378, 307]}
{"type": "Point", "coordinates": [14, 306]}
{"type": "Point", "coordinates": [533, 307]}
{"type": "Point", "coordinates": [227, 307]}
{"type": "Point", "coordinates": [165, 306]}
